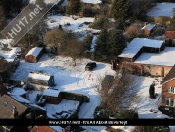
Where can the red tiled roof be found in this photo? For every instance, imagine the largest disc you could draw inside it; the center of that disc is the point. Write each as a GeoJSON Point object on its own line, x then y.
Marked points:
{"type": "Point", "coordinates": [169, 34]}
{"type": "Point", "coordinates": [42, 129]}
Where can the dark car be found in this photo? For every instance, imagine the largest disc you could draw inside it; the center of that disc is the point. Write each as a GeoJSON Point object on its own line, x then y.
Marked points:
{"type": "Point", "coordinates": [90, 66]}
{"type": "Point", "coordinates": [86, 99]}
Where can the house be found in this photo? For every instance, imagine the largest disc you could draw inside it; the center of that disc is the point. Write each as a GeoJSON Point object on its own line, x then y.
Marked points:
{"type": "Point", "coordinates": [52, 96]}
{"type": "Point", "coordinates": [40, 81]}
{"type": "Point", "coordinates": [34, 54]}
{"type": "Point", "coordinates": [148, 28]}
{"type": "Point", "coordinates": [170, 38]}
{"type": "Point", "coordinates": [13, 109]}
{"type": "Point", "coordinates": [42, 129]}
{"type": "Point", "coordinates": [168, 89]}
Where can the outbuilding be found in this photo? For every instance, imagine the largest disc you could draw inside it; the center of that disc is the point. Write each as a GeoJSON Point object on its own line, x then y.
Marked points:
{"type": "Point", "coordinates": [52, 96]}
{"type": "Point", "coordinates": [34, 55]}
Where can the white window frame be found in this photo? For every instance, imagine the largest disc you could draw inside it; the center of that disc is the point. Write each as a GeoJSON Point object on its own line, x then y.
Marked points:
{"type": "Point", "coordinates": [169, 102]}
{"type": "Point", "coordinates": [171, 90]}
{"type": "Point", "coordinates": [167, 99]}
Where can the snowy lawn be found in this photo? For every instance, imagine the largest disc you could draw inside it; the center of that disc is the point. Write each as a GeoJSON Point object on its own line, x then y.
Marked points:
{"type": "Point", "coordinates": [162, 9]}
{"type": "Point", "coordinates": [68, 78]}
{"type": "Point", "coordinates": [75, 79]}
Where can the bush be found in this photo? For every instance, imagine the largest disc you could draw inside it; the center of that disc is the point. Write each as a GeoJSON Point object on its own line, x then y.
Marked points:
{"type": "Point", "coordinates": [99, 113]}
{"type": "Point", "coordinates": [87, 23]}
{"type": "Point", "coordinates": [100, 23]}
{"type": "Point", "coordinates": [152, 91]}
{"type": "Point", "coordinates": [127, 114]}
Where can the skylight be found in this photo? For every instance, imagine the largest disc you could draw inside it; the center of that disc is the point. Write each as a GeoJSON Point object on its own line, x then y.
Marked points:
{"type": "Point", "coordinates": [5, 104]}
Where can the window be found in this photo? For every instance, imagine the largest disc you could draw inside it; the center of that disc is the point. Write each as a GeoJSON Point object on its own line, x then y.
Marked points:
{"type": "Point", "coordinates": [167, 101]}
{"type": "Point", "coordinates": [170, 89]}
{"type": "Point", "coordinates": [170, 102]}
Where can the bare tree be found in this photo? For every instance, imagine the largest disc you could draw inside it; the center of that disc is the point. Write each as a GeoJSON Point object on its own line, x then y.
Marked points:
{"type": "Point", "coordinates": [54, 38]}
{"type": "Point", "coordinates": [134, 30]}
{"type": "Point", "coordinates": [72, 48]}
{"type": "Point", "coordinates": [121, 92]}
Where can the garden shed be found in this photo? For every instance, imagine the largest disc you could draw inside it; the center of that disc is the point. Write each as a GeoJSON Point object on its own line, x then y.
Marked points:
{"type": "Point", "coordinates": [52, 96]}
{"type": "Point", "coordinates": [34, 55]}
{"type": "Point", "coordinates": [40, 81]}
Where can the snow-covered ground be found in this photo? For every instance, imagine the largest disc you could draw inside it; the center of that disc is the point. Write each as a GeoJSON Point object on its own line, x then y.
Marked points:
{"type": "Point", "coordinates": [162, 9]}
{"type": "Point", "coordinates": [77, 24]}
{"type": "Point", "coordinates": [8, 55]}
{"type": "Point", "coordinates": [75, 79]}
{"type": "Point", "coordinates": [69, 78]}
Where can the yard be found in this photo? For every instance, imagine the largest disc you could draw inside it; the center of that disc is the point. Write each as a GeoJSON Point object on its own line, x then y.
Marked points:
{"type": "Point", "coordinates": [75, 79]}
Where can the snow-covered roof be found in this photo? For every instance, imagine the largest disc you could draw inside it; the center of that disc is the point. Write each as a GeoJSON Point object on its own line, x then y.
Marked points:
{"type": "Point", "coordinates": [149, 26]}
{"type": "Point", "coordinates": [18, 91]}
{"type": "Point", "coordinates": [136, 44]}
{"type": "Point", "coordinates": [51, 92]}
{"type": "Point", "coordinates": [92, 1]}
{"type": "Point", "coordinates": [164, 58]}
{"type": "Point", "coordinates": [162, 9]}
{"type": "Point", "coordinates": [34, 51]}
{"type": "Point", "coordinates": [39, 76]}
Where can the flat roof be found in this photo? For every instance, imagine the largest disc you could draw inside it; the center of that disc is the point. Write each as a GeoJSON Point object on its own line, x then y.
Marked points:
{"type": "Point", "coordinates": [51, 92]}
{"type": "Point", "coordinates": [164, 58]}
{"type": "Point", "coordinates": [136, 44]}
{"type": "Point", "coordinates": [34, 51]}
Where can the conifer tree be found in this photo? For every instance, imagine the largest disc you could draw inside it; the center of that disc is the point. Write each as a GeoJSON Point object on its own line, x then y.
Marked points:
{"type": "Point", "coordinates": [101, 42]}
{"type": "Point", "coordinates": [120, 9]}
{"type": "Point", "coordinates": [73, 7]}
{"type": "Point", "coordinates": [115, 43]}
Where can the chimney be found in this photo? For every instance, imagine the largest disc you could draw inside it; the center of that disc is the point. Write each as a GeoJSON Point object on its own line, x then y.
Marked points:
{"type": "Point", "coordinates": [3, 89]}
{"type": "Point", "coordinates": [145, 23]}
{"type": "Point", "coordinates": [14, 113]}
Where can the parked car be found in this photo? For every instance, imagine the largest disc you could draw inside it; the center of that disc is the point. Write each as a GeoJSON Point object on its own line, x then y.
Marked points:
{"type": "Point", "coordinates": [86, 99]}
{"type": "Point", "coordinates": [90, 66]}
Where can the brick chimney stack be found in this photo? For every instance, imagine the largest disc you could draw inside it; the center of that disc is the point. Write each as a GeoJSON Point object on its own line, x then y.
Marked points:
{"type": "Point", "coordinates": [145, 23]}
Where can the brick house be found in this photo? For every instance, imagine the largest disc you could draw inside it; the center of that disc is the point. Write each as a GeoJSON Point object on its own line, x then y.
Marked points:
{"type": "Point", "coordinates": [40, 81]}
{"type": "Point", "coordinates": [168, 89]}
{"type": "Point", "coordinates": [34, 54]}
{"type": "Point", "coordinates": [170, 38]}
{"type": "Point", "coordinates": [52, 96]}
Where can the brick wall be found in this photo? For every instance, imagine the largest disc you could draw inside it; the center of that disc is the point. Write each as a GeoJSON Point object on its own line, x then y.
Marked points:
{"type": "Point", "coordinates": [148, 68]}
